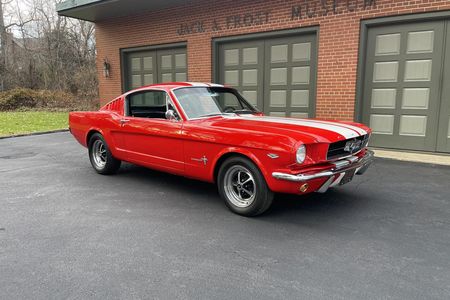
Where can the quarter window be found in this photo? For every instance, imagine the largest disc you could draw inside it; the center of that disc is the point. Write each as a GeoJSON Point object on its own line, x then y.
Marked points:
{"type": "Point", "coordinates": [149, 104]}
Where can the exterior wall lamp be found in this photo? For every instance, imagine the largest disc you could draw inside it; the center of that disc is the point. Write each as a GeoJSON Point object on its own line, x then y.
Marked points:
{"type": "Point", "coordinates": [106, 68]}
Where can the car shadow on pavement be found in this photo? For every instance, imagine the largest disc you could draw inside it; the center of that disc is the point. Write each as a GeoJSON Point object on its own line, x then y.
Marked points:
{"type": "Point", "coordinates": [336, 202]}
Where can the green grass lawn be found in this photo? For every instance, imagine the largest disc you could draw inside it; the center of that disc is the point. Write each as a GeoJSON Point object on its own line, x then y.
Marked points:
{"type": "Point", "coordinates": [13, 123]}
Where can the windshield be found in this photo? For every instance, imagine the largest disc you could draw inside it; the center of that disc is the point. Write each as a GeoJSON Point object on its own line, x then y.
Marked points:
{"type": "Point", "coordinates": [200, 102]}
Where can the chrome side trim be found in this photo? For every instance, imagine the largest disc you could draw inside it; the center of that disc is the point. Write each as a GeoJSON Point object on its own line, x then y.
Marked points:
{"type": "Point", "coordinates": [363, 164]}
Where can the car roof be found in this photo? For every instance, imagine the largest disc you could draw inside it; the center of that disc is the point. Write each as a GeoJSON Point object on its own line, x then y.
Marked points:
{"type": "Point", "coordinates": [168, 86]}
{"type": "Point", "coordinates": [172, 85]}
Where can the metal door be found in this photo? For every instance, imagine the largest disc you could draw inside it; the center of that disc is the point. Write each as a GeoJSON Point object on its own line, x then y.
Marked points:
{"type": "Point", "coordinates": [242, 67]}
{"type": "Point", "coordinates": [443, 144]}
{"type": "Point", "coordinates": [402, 85]}
{"type": "Point", "coordinates": [156, 66]}
{"type": "Point", "coordinates": [290, 81]}
{"type": "Point", "coordinates": [278, 75]}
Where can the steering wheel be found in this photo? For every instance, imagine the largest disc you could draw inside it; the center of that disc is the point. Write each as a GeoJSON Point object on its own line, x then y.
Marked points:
{"type": "Point", "coordinates": [229, 109]}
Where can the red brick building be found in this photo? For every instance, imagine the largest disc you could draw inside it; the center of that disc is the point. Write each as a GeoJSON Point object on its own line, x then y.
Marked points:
{"type": "Point", "coordinates": [383, 62]}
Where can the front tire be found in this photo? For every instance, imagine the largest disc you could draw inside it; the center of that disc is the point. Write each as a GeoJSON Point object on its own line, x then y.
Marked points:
{"type": "Point", "coordinates": [243, 188]}
{"type": "Point", "coordinates": [100, 156]}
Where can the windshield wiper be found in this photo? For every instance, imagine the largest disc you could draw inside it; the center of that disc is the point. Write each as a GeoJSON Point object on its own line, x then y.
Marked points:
{"type": "Point", "coordinates": [211, 115]}
{"type": "Point", "coordinates": [244, 111]}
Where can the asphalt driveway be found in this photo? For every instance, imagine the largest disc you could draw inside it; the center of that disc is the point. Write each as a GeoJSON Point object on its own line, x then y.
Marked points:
{"type": "Point", "coordinates": [66, 232]}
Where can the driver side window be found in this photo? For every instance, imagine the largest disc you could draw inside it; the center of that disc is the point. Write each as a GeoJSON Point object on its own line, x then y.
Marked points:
{"type": "Point", "coordinates": [148, 104]}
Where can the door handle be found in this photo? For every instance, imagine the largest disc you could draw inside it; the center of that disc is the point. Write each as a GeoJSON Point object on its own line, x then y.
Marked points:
{"type": "Point", "coordinates": [123, 121]}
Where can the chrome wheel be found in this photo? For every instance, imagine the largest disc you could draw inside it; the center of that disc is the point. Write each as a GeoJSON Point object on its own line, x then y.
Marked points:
{"type": "Point", "coordinates": [99, 153]}
{"type": "Point", "coordinates": [240, 186]}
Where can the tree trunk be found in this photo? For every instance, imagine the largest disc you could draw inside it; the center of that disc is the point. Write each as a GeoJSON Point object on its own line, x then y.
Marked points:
{"type": "Point", "coordinates": [3, 43]}
{"type": "Point", "coordinates": [3, 36]}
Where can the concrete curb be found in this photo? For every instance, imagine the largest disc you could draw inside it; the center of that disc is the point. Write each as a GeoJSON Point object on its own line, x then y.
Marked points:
{"type": "Point", "coordinates": [33, 133]}
{"type": "Point", "coordinates": [417, 157]}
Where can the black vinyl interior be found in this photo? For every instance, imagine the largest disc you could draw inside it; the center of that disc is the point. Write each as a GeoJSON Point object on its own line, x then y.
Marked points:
{"type": "Point", "coordinates": [148, 111]}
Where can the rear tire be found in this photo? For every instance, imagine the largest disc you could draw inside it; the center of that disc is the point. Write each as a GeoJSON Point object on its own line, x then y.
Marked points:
{"type": "Point", "coordinates": [243, 188]}
{"type": "Point", "coordinates": [100, 156]}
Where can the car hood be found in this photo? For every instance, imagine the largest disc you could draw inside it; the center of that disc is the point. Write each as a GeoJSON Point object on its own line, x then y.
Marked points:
{"type": "Point", "coordinates": [305, 130]}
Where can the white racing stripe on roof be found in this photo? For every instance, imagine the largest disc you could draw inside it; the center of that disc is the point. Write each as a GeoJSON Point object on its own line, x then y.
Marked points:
{"type": "Point", "coordinates": [203, 84]}
{"type": "Point", "coordinates": [200, 84]}
{"type": "Point", "coordinates": [334, 127]}
{"type": "Point", "coordinates": [360, 131]}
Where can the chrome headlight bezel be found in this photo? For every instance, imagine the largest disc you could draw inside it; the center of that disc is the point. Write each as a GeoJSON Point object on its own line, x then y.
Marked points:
{"type": "Point", "coordinates": [300, 154]}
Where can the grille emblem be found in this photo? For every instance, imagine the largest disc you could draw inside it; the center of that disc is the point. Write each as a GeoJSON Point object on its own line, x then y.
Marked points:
{"type": "Point", "coordinates": [352, 146]}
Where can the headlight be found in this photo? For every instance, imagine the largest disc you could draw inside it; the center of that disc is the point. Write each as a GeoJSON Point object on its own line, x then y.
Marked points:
{"type": "Point", "coordinates": [301, 154]}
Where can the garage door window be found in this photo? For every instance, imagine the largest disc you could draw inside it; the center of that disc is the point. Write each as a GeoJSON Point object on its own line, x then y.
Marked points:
{"type": "Point", "coordinates": [277, 75]}
{"type": "Point", "coordinates": [157, 66]}
{"type": "Point", "coordinates": [403, 91]}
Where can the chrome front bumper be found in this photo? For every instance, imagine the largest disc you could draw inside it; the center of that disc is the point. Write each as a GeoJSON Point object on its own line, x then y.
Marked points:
{"type": "Point", "coordinates": [340, 166]}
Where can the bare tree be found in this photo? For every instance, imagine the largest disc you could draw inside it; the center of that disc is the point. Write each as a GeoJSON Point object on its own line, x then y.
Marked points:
{"type": "Point", "coordinates": [49, 51]}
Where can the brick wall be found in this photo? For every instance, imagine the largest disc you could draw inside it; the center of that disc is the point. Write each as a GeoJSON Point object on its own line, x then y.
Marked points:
{"type": "Point", "coordinates": [338, 39]}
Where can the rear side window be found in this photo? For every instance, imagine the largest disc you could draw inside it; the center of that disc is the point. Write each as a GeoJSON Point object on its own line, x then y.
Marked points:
{"type": "Point", "coordinates": [148, 104]}
{"type": "Point", "coordinates": [149, 98]}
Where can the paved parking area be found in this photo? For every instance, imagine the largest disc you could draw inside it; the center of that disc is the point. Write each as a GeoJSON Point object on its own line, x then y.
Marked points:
{"type": "Point", "coordinates": [66, 232]}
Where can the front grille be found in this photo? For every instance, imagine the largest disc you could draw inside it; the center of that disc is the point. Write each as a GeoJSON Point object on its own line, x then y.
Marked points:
{"type": "Point", "coordinates": [340, 149]}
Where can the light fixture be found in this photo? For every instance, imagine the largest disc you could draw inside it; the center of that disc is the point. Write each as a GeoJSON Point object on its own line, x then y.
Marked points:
{"type": "Point", "coordinates": [106, 68]}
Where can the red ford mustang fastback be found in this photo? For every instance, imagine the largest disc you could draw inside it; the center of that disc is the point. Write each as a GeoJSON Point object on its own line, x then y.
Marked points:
{"type": "Point", "coordinates": [210, 132]}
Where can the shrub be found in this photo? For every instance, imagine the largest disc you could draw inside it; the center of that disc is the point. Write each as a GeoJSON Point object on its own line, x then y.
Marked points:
{"type": "Point", "coordinates": [16, 99]}
{"type": "Point", "coordinates": [27, 99]}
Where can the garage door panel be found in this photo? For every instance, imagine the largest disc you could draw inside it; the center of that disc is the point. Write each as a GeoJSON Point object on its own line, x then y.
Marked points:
{"type": "Point", "coordinates": [300, 75]}
{"type": "Point", "coordinates": [250, 56]}
{"type": "Point", "coordinates": [420, 42]}
{"type": "Point", "coordinates": [382, 123]}
{"type": "Point", "coordinates": [279, 53]}
{"type": "Point", "coordinates": [149, 67]}
{"type": "Point", "coordinates": [300, 98]}
{"type": "Point", "coordinates": [140, 68]}
{"type": "Point", "coordinates": [135, 63]}
{"type": "Point", "coordinates": [277, 74]}
{"type": "Point", "coordinates": [415, 98]}
{"type": "Point", "coordinates": [250, 77]}
{"type": "Point", "coordinates": [301, 52]}
{"type": "Point", "coordinates": [401, 86]}
{"type": "Point", "coordinates": [241, 66]}
{"type": "Point", "coordinates": [250, 96]}
{"type": "Point", "coordinates": [172, 65]}
{"type": "Point", "coordinates": [291, 64]}
{"type": "Point", "coordinates": [411, 125]}
{"type": "Point", "coordinates": [383, 98]}
{"type": "Point", "coordinates": [385, 71]}
{"type": "Point", "coordinates": [444, 117]}
{"type": "Point", "coordinates": [387, 44]}
{"type": "Point", "coordinates": [148, 79]}
{"type": "Point", "coordinates": [418, 70]}
{"type": "Point", "coordinates": [180, 61]}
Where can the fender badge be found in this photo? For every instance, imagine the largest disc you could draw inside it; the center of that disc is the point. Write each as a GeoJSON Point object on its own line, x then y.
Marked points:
{"type": "Point", "coordinates": [204, 160]}
{"type": "Point", "coordinates": [273, 155]}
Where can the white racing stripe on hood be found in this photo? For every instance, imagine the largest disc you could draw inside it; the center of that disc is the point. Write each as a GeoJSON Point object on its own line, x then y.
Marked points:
{"type": "Point", "coordinates": [330, 126]}
{"type": "Point", "coordinates": [360, 131]}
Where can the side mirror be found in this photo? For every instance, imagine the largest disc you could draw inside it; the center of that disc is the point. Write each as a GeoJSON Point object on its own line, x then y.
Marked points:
{"type": "Point", "coordinates": [171, 115]}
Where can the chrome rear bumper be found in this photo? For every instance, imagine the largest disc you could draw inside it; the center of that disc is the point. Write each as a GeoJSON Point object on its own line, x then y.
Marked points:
{"type": "Point", "coordinates": [340, 166]}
